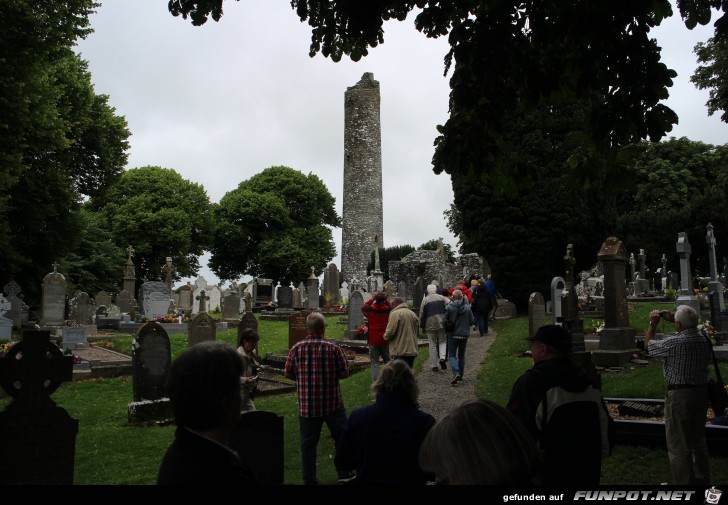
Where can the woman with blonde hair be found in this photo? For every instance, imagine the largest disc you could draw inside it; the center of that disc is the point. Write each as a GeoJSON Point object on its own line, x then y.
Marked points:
{"type": "Point", "coordinates": [480, 442]}
{"type": "Point", "coordinates": [382, 441]}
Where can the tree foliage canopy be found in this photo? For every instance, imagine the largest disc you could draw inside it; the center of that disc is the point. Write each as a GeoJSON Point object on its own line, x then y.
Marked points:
{"type": "Point", "coordinates": [159, 214]}
{"type": "Point", "coordinates": [713, 74]}
{"type": "Point", "coordinates": [275, 225]}
{"type": "Point", "coordinates": [59, 140]}
{"type": "Point", "coordinates": [508, 55]}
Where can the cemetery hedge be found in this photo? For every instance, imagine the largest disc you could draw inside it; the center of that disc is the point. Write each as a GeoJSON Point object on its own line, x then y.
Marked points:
{"type": "Point", "coordinates": [110, 451]}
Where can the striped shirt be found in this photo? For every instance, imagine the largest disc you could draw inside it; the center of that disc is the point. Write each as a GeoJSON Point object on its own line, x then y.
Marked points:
{"type": "Point", "coordinates": [316, 364]}
{"type": "Point", "coordinates": [687, 355]}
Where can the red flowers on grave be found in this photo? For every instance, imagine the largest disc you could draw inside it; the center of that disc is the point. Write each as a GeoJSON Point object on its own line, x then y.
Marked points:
{"type": "Point", "coordinates": [4, 348]}
{"type": "Point", "coordinates": [362, 330]}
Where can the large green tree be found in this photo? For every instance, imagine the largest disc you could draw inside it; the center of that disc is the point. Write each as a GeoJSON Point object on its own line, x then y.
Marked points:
{"type": "Point", "coordinates": [159, 214]}
{"type": "Point", "coordinates": [275, 224]}
{"type": "Point", "coordinates": [526, 55]}
{"type": "Point", "coordinates": [712, 74]}
{"type": "Point", "coordinates": [681, 186]}
{"type": "Point", "coordinates": [59, 140]}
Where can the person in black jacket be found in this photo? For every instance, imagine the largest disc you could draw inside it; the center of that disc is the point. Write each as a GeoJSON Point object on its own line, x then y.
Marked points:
{"type": "Point", "coordinates": [482, 306]}
{"type": "Point", "coordinates": [204, 389]}
{"type": "Point", "coordinates": [562, 410]}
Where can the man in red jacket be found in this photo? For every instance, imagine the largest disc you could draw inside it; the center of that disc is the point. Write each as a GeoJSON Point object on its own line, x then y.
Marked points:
{"type": "Point", "coordinates": [376, 310]}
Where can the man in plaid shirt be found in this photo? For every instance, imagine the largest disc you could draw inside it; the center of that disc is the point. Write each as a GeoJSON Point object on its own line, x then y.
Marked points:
{"type": "Point", "coordinates": [317, 364]}
{"type": "Point", "coordinates": [685, 369]}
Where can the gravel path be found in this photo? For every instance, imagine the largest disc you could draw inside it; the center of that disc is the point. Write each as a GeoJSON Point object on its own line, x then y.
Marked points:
{"type": "Point", "coordinates": [437, 396]}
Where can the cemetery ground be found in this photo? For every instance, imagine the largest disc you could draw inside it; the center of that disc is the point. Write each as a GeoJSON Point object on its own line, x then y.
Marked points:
{"type": "Point", "coordinates": [111, 451]}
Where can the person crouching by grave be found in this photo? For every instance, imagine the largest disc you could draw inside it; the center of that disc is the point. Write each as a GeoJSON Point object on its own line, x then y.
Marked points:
{"type": "Point", "coordinates": [382, 441]}
{"type": "Point", "coordinates": [431, 312]}
{"type": "Point", "coordinates": [685, 368]}
{"type": "Point", "coordinates": [376, 310]}
{"type": "Point", "coordinates": [457, 321]}
{"type": "Point", "coordinates": [403, 331]}
{"type": "Point", "coordinates": [562, 410]}
{"type": "Point", "coordinates": [204, 389]}
{"type": "Point", "coordinates": [480, 442]}
{"type": "Point", "coordinates": [247, 343]}
{"type": "Point", "coordinates": [317, 364]}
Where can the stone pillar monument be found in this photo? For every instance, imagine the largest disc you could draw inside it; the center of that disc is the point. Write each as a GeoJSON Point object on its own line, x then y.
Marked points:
{"type": "Point", "coordinates": [362, 223]}
{"type": "Point", "coordinates": [129, 272]}
{"type": "Point", "coordinates": [616, 343]}
{"type": "Point", "coordinates": [685, 293]}
{"type": "Point", "coordinates": [714, 284]}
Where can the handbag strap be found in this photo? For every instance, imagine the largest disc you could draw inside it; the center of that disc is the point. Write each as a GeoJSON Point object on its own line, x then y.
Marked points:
{"type": "Point", "coordinates": [715, 361]}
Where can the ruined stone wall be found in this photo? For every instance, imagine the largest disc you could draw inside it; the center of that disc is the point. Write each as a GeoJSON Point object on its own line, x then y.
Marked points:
{"type": "Point", "coordinates": [362, 198]}
{"type": "Point", "coordinates": [430, 265]}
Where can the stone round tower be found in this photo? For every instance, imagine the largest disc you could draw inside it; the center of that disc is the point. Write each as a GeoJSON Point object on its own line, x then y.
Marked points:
{"type": "Point", "coordinates": [362, 201]}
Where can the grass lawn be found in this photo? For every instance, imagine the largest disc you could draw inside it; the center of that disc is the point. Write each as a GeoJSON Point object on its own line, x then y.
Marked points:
{"type": "Point", "coordinates": [109, 451]}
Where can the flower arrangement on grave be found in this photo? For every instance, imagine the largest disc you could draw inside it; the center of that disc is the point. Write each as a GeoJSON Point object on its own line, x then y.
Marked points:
{"type": "Point", "coordinates": [4, 348]}
{"type": "Point", "coordinates": [362, 330]}
{"type": "Point", "coordinates": [598, 326]}
{"type": "Point", "coordinates": [708, 328]}
{"type": "Point", "coordinates": [350, 354]}
{"type": "Point", "coordinates": [77, 359]}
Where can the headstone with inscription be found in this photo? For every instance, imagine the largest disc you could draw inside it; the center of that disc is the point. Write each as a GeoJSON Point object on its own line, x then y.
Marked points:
{"type": "Point", "coordinates": [74, 337]}
{"type": "Point", "coordinates": [151, 360]}
{"type": "Point", "coordinates": [296, 327]}
{"type": "Point", "coordinates": [12, 294]}
{"type": "Point", "coordinates": [185, 297]}
{"type": "Point", "coordinates": [39, 437]}
{"type": "Point", "coordinates": [82, 309]}
{"type": "Point", "coordinates": [536, 313]}
{"type": "Point", "coordinates": [231, 306]}
{"type": "Point", "coordinates": [154, 299]}
{"type": "Point", "coordinates": [201, 328]}
{"type": "Point", "coordinates": [356, 318]}
{"type": "Point", "coordinates": [215, 299]}
{"type": "Point", "coordinates": [312, 291]}
{"type": "Point", "coordinates": [53, 304]}
{"type": "Point", "coordinates": [686, 295]}
{"type": "Point", "coordinates": [124, 301]}
{"type": "Point", "coordinates": [102, 298]}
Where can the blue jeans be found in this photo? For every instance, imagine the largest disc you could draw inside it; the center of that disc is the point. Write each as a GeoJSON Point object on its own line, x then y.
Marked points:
{"type": "Point", "coordinates": [310, 435]}
{"type": "Point", "coordinates": [456, 351]}
{"type": "Point", "coordinates": [375, 351]}
{"type": "Point", "coordinates": [482, 320]}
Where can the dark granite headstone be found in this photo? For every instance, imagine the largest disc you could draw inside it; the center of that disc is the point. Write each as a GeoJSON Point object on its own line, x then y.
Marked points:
{"type": "Point", "coordinates": [201, 328]}
{"type": "Point", "coordinates": [12, 293]}
{"type": "Point", "coordinates": [296, 327]}
{"type": "Point", "coordinates": [39, 437]}
{"type": "Point", "coordinates": [285, 297]}
{"type": "Point", "coordinates": [151, 360]}
{"type": "Point", "coordinates": [331, 284]}
{"type": "Point", "coordinates": [82, 309]}
{"type": "Point", "coordinates": [262, 291]}
{"type": "Point", "coordinates": [557, 289]}
{"type": "Point", "coordinates": [418, 293]}
{"type": "Point", "coordinates": [258, 439]}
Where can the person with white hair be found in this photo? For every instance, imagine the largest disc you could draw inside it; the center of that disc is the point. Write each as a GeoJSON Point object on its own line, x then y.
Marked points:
{"type": "Point", "coordinates": [431, 311]}
{"type": "Point", "coordinates": [686, 356]}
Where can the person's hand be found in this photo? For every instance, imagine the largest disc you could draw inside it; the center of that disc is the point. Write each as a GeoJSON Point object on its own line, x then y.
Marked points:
{"type": "Point", "coordinates": [249, 380]}
{"type": "Point", "coordinates": [654, 317]}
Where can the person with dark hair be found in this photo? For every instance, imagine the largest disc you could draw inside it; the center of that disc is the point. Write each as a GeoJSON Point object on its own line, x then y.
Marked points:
{"type": "Point", "coordinates": [687, 356]}
{"type": "Point", "coordinates": [376, 310]}
{"type": "Point", "coordinates": [317, 364]}
{"type": "Point", "coordinates": [480, 442]}
{"type": "Point", "coordinates": [382, 441]}
{"type": "Point", "coordinates": [204, 389]}
{"type": "Point", "coordinates": [457, 321]}
{"type": "Point", "coordinates": [482, 306]}
{"type": "Point", "coordinates": [247, 343]}
{"type": "Point", "coordinates": [402, 332]}
{"type": "Point", "coordinates": [562, 410]}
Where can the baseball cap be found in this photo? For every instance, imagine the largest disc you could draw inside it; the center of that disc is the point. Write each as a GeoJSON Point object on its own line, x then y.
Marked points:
{"type": "Point", "coordinates": [553, 335]}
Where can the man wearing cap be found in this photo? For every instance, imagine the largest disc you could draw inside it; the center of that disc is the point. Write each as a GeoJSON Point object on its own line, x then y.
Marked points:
{"type": "Point", "coordinates": [558, 404]}
{"type": "Point", "coordinates": [687, 356]}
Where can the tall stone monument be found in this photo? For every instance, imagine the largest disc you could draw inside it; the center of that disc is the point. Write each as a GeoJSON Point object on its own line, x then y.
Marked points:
{"type": "Point", "coordinates": [616, 343]}
{"type": "Point", "coordinates": [714, 283]}
{"type": "Point", "coordinates": [362, 224]}
{"type": "Point", "coordinates": [685, 294]}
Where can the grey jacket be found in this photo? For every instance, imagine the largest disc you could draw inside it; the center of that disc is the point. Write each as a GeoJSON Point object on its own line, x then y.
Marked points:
{"type": "Point", "coordinates": [458, 319]}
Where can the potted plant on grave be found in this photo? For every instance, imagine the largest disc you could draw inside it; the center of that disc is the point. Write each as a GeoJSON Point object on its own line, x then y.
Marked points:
{"type": "Point", "coordinates": [327, 300]}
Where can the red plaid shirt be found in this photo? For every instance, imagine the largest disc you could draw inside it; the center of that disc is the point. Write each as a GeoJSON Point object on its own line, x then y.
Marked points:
{"type": "Point", "coordinates": [316, 364]}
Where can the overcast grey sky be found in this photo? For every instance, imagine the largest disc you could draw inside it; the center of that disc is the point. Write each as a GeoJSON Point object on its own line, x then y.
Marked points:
{"type": "Point", "coordinates": [221, 102]}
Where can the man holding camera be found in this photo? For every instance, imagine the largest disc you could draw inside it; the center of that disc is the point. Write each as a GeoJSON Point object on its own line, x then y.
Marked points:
{"type": "Point", "coordinates": [685, 368]}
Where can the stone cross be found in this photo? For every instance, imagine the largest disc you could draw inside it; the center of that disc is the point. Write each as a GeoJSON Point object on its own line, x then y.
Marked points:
{"type": "Point", "coordinates": [43, 367]}
{"type": "Point", "coordinates": [168, 269]}
{"type": "Point", "coordinates": [684, 250]}
{"type": "Point", "coordinates": [664, 265]}
{"type": "Point", "coordinates": [710, 240]}
{"type": "Point", "coordinates": [55, 267]}
{"type": "Point", "coordinates": [633, 266]}
{"type": "Point", "coordinates": [202, 297]}
{"type": "Point", "coordinates": [12, 289]}
{"type": "Point", "coordinates": [642, 257]}
{"type": "Point", "coordinates": [130, 251]}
